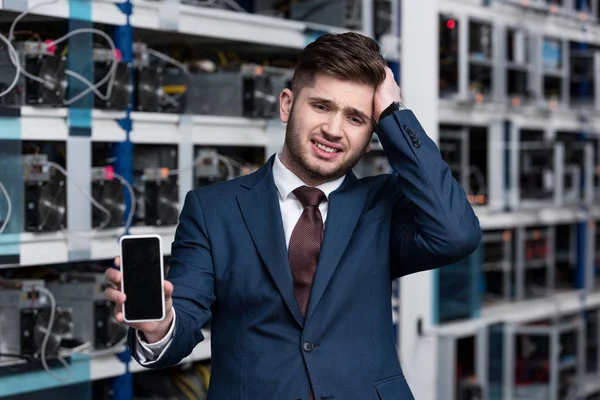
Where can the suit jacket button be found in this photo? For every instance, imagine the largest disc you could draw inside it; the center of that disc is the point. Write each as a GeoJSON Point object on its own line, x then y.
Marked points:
{"type": "Point", "coordinates": [308, 347]}
{"type": "Point", "coordinates": [417, 144]}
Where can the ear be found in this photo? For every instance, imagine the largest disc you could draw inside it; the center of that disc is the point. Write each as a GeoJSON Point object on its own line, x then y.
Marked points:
{"type": "Point", "coordinates": [368, 149]}
{"type": "Point", "coordinates": [286, 98]}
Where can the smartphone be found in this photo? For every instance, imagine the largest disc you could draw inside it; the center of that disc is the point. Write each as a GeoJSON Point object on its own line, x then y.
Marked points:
{"type": "Point", "coordinates": [142, 278]}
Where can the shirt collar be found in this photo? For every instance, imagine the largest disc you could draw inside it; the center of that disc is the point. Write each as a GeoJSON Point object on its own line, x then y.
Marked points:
{"type": "Point", "coordinates": [286, 181]}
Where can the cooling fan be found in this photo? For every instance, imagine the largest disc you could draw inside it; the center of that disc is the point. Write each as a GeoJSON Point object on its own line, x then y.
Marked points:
{"type": "Point", "coordinates": [161, 197]}
{"type": "Point", "coordinates": [167, 203]}
{"type": "Point", "coordinates": [52, 71]}
{"type": "Point", "coordinates": [120, 95]}
{"type": "Point", "coordinates": [265, 99]}
{"type": "Point", "coordinates": [62, 327]}
{"type": "Point", "coordinates": [35, 326]}
{"type": "Point", "coordinates": [46, 205]}
{"type": "Point", "coordinates": [110, 194]}
{"type": "Point", "coordinates": [149, 91]}
{"type": "Point", "coordinates": [52, 204]}
{"type": "Point", "coordinates": [108, 331]}
{"type": "Point", "coordinates": [121, 89]}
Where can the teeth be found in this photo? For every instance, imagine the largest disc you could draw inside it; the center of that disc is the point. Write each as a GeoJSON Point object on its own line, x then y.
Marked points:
{"type": "Point", "coordinates": [325, 148]}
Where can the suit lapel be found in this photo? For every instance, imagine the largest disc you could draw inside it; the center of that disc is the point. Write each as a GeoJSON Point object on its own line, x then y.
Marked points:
{"type": "Point", "coordinates": [345, 207]}
{"type": "Point", "coordinates": [262, 214]}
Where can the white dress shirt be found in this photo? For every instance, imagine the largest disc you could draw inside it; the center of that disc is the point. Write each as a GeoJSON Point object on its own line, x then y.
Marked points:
{"type": "Point", "coordinates": [291, 209]}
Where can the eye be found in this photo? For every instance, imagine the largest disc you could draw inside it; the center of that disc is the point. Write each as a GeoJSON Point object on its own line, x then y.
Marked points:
{"type": "Point", "coordinates": [356, 120]}
{"type": "Point", "coordinates": [320, 107]}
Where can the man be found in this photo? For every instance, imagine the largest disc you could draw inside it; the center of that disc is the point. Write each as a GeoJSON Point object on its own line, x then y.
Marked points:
{"type": "Point", "coordinates": [292, 264]}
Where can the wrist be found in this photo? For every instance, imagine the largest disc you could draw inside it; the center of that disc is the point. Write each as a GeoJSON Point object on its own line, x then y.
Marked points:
{"type": "Point", "coordinates": [156, 335]}
{"type": "Point", "coordinates": [393, 106]}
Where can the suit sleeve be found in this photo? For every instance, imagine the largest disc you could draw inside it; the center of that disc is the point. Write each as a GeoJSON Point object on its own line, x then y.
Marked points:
{"type": "Point", "coordinates": [192, 276]}
{"type": "Point", "coordinates": [433, 224]}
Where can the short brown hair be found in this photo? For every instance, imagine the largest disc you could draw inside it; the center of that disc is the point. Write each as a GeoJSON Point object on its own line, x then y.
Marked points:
{"type": "Point", "coordinates": [346, 56]}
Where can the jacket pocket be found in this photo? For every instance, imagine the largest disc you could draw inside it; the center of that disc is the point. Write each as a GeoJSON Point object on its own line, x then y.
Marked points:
{"type": "Point", "coordinates": [394, 388]}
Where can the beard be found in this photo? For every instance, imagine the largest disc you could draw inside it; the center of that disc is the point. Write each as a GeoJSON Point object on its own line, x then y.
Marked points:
{"type": "Point", "coordinates": [300, 159]}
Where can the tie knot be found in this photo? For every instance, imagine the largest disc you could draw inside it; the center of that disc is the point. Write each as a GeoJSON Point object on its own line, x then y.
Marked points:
{"type": "Point", "coordinates": [309, 196]}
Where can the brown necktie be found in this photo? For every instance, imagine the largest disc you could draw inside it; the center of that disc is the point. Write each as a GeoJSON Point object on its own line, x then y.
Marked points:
{"type": "Point", "coordinates": [305, 246]}
{"type": "Point", "coordinates": [305, 243]}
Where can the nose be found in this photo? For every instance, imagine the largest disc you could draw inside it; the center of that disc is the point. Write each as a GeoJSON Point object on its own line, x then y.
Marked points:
{"type": "Point", "coordinates": [333, 127]}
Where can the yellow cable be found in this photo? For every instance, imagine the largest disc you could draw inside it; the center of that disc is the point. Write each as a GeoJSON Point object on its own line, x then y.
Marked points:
{"type": "Point", "coordinates": [205, 373]}
{"type": "Point", "coordinates": [222, 57]}
{"type": "Point", "coordinates": [190, 384]}
{"type": "Point", "coordinates": [183, 389]}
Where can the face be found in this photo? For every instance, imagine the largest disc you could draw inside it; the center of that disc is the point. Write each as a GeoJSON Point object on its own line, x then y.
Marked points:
{"type": "Point", "coordinates": [328, 128]}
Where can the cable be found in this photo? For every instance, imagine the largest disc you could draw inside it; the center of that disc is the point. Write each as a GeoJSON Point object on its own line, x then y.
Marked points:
{"type": "Point", "coordinates": [8, 209]}
{"type": "Point", "coordinates": [94, 202]}
{"type": "Point", "coordinates": [132, 195]}
{"type": "Point", "coordinates": [168, 59]}
{"type": "Point", "coordinates": [111, 349]}
{"type": "Point", "coordinates": [187, 392]}
{"type": "Point", "coordinates": [47, 337]}
{"type": "Point", "coordinates": [24, 13]}
{"type": "Point", "coordinates": [229, 164]}
{"type": "Point", "coordinates": [223, 3]}
{"type": "Point", "coordinates": [110, 76]}
{"type": "Point", "coordinates": [77, 349]}
{"type": "Point", "coordinates": [204, 373]}
{"type": "Point", "coordinates": [13, 55]}
{"type": "Point", "coordinates": [164, 57]}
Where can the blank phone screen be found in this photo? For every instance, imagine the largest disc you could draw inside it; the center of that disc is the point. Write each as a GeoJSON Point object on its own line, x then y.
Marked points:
{"type": "Point", "coordinates": [141, 267]}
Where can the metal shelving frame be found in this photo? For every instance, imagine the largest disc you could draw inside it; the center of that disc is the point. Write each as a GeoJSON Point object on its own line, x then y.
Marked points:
{"type": "Point", "coordinates": [80, 125]}
{"type": "Point", "coordinates": [417, 339]}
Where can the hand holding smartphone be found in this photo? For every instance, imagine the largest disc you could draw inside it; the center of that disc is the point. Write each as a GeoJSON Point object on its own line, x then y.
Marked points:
{"type": "Point", "coordinates": [142, 295]}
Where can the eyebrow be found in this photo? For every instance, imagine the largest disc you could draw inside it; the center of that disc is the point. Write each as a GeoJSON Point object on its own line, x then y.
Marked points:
{"type": "Point", "coordinates": [330, 103]}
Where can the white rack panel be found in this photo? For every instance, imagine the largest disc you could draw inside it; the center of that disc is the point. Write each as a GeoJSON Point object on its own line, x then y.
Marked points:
{"type": "Point", "coordinates": [103, 11]}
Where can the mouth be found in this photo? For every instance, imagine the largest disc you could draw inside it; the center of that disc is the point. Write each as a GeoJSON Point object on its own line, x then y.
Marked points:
{"type": "Point", "coordinates": [326, 151]}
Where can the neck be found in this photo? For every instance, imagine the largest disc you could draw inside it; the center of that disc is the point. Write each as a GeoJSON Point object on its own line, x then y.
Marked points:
{"type": "Point", "coordinates": [293, 166]}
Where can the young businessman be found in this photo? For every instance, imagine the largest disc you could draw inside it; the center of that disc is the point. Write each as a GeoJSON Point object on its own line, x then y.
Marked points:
{"type": "Point", "coordinates": [292, 265]}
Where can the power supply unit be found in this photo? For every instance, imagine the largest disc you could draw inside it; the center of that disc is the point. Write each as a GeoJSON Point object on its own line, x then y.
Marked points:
{"type": "Point", "coordinates": [161, 197]}
{"type": "Point", "coordinates": [498, 274]}
{"type": "Point", "coordinates": [110, 193]}
{"type": "Point", "coordinates": [45, 195]}
{"type": "Point", "coordinates": [25, 319]}
{"type": "Point", "coordinates": [122, 88]}
{"type": "Point", "coordinates": [39, 60]}
{"type": "Point", "coordinates": [175, 86]}
{"type": "Point", "coordinates": [248, 91]}
{"type": "Point", "coordinates": [156, 183]}
{"type": "Point", "coordinates": [343, 14]}
{"type": "Point", "coordinates": [146, 80]}
{"type": "Point", "coordinates": [93, 315]}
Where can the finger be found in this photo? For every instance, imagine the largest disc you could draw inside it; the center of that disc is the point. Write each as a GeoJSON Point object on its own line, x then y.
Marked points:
{"type": "Point", "coordinates": [168, 289]}
{"type": "Point", "coordinates": [114, 295]}
{"type": "Point", "coordinates": [119, 315]}
{"type": "Point", "coordinates": [117, 262]}
{"type": "Point", "coordinates": [113, 276]}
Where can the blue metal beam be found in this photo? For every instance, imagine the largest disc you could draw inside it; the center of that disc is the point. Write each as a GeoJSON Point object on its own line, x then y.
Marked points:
{"type": "Point", "coordinates": [122, 153]}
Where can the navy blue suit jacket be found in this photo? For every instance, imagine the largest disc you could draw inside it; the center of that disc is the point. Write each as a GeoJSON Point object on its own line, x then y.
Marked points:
{"type": "Point", "coordinates": [229, 267]}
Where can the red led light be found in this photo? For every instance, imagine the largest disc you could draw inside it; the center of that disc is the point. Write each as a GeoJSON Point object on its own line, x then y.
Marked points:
{"type": "Point", "coordinates": [451, 24]}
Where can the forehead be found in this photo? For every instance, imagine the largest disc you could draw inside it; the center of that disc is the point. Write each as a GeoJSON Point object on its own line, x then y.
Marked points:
{"type": "Point", "coordinates": [342, 93]}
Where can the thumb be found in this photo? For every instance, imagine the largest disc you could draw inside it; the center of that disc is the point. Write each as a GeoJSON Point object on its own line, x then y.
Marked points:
{"type": "Point", "coordinates": [168, 289]}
